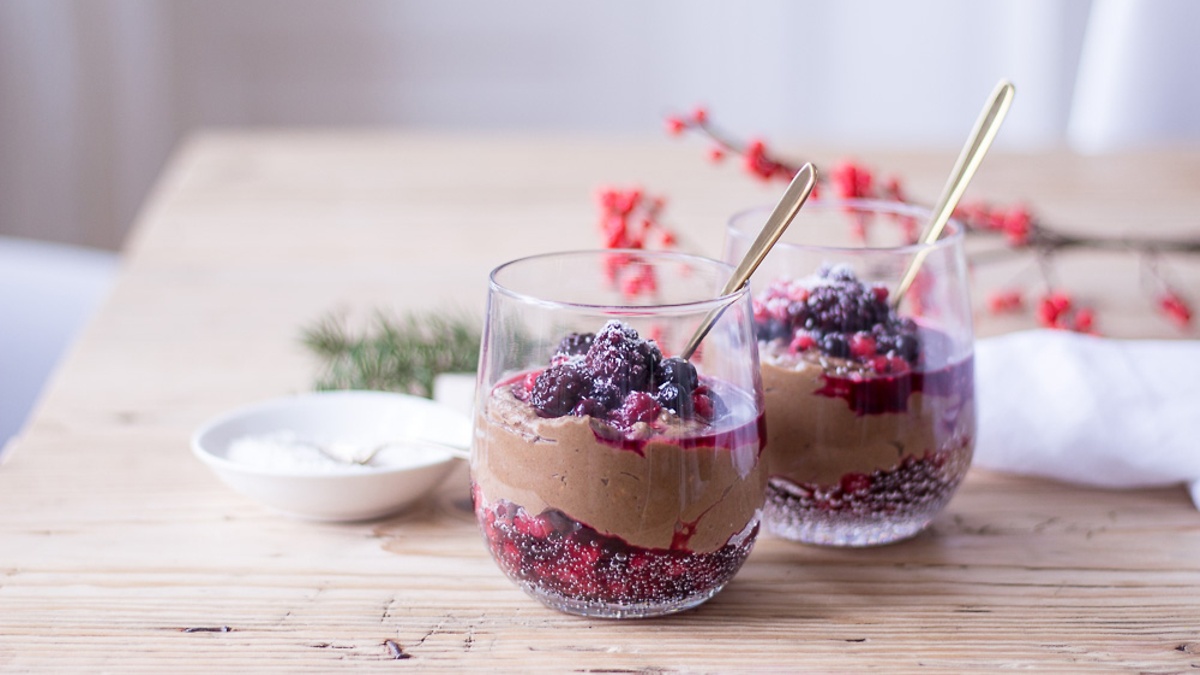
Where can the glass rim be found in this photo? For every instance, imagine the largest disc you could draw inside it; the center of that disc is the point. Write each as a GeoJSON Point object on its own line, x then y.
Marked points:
{"type": "Point", "coordinates": [714, 302]}
{"type": "Point", "coordinates": [951, 236]}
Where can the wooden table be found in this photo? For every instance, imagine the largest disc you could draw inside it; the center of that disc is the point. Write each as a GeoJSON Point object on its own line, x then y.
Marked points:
{"type": "Point", "coordinates": [119, 552]}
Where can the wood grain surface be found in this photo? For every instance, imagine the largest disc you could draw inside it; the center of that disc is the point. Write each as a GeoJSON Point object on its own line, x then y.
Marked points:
{"type": "Point", "coordinates": [120, 552]}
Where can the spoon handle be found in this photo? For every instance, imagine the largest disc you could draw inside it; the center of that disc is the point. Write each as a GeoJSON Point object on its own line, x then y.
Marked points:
{"type": "Point", "coordinates": [789, 205]}
{"type": "Point", "coordinates": [968, 162]}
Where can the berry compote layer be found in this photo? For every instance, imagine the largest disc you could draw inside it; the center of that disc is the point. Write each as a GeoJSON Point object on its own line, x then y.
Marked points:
{"type": "Point", "coordinates": [870, 416]}
{"type": "Point", "coordinates": [616, 482]}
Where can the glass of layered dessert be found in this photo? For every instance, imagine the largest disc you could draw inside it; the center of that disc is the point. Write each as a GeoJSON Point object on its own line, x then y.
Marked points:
{"type": "Point", "coordinates": [611, 477]}
{"type": "Point", "coordinates": [869, 399]}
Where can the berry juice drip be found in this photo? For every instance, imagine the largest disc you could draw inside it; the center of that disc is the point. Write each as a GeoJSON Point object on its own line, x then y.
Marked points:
{"type": "Point", "coordinates": [880, 394]}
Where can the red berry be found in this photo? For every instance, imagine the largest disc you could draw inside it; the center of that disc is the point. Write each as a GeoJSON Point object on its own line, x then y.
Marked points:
{"type": "Point", "coordinates": [1001, 302]}
{"type": "Point", "coordinates": [638, 407]}
{"type": "Point", "coordinates": [1085, 319]}
{"type": "Point", "coordinates": [1017, 225]}
{"type": "Point", "coordinates": [898, 365]}
{"type": "Point", "coordinates": [802, 343]}
{"type": "Point", "coordinates": [632, 286]}
{"type": "Point", "coordinates": [892, 189]}
{"type": "Point", "coordinates": [862, 345]}
{"type": "Point", "coordinates": [1053, 308]}
{"type": "Point", "coordinates": [852, 180]}
{"type": "Point", "coordinates": [534, 527]}
{"type": "Point", "coordinates": [675, 126]}
{"type": "Point", "coordinates": [757, 162]}
{"type": "Point", "coordinates": [1176, 309]}
{"type": "Point", "coordinates": [529, 381]}
{"type": "Point", "coordinates": [852, 483]}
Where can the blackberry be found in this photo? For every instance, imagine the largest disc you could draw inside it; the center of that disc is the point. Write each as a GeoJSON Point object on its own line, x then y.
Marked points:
{"type": "Point", "coordinates": [771, 329]}
{"type": "Point", "coordinates": [908, 347]}
{"type": "Point", "coordinates": [675, 399]}
{"type": "Point", "coordinates": [589, 407]}
{"type": "Point", "coordinates": [835, 344]}
{"type": "Point", "coordinates": [679, 372]}
{"type": "Point", "coordinates": [618, 357]}
{"type": "Point", "coordinates": [606, 394]}
{"type": "Point", "coordinates": [676, 380]}
{"type": "Point", "coordinates": [618, 377]}
{"type": "Point", "coordinates": [575, 344]}
{"type": "Point", "coordinates": [834, 309]}
{"type": "Point", "coordinates": [558, 389]}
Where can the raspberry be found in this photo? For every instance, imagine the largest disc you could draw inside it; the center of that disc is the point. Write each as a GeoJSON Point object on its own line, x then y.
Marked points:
{"type": "Point", "coordinates": [855, 482]}
{"type": "Point", "coordinates": [638, 407]}
{"type": "Point", "coordinates": [703, 406]}
{"type": "Point", "coordinates": [862, 346]}
{"type": "Point", "coordinates": [802, 343]}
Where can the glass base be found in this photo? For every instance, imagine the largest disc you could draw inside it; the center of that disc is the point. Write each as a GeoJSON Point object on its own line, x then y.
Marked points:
{"type": "Point", "coordinates": [881, 509]}
{"type": "Point", "coordinates": [606, 610]}
{"type": "Point", "coordinates": [843, 530]}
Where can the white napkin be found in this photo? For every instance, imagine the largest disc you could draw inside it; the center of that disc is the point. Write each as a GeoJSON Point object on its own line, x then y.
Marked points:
{"type": "Point", "coordinates": [1084, 409]}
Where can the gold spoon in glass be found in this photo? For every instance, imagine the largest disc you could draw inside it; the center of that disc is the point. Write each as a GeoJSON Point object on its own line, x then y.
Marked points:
{"type": "Point", "coordinates": [793, 198]}
{"type": "Point", "coordinates": [964, 169]}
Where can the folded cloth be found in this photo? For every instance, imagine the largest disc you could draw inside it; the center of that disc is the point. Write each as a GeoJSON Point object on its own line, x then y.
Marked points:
{"type": "Point", "coordinates": [1090, 410]}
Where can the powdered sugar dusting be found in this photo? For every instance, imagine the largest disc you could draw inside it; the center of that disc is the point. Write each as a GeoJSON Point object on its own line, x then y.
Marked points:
{"type": "Point", "coordinates": [286, 451]}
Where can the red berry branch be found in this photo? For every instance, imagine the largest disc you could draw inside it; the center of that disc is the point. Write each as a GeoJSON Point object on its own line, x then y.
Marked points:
{"type": "Point", "coordinates": [629, 219]}
{"type": "Point", "coordinates": [1016, 227]}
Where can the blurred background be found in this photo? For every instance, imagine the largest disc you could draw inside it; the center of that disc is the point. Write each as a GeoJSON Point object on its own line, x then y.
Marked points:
{"type": "Point", "coordinates": [95, 94]}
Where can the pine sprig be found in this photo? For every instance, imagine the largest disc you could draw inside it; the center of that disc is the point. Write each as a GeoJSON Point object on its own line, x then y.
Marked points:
{"type": "Point", "coordinates": [402, 354]}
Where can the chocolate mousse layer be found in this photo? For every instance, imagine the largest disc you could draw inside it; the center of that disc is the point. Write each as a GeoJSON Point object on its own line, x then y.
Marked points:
{"type": "Point", "coordinates": [670, 485]}
{"type": "Point", "coordinates": [822, 426]}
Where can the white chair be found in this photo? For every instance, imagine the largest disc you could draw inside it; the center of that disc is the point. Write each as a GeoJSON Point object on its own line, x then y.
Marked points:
{"type": "Point", "coordinates": [47, 293]}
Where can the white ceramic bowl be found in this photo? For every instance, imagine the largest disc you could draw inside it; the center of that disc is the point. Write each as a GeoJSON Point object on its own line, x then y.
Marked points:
{"type": "Point", "coordinates": [361, 418]}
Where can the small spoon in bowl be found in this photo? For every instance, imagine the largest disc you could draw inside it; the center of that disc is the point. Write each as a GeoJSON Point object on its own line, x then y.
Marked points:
{"type": "Point", "coordinates": [362, 459]}
{"type": "Point", "coordinates": [789, 205]}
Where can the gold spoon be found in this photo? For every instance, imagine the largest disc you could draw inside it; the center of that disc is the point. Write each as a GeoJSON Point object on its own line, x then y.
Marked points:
{"type": "Point", "coordinates": [964, 169]}
{"type": "Point", "coordinates": [793, 198]}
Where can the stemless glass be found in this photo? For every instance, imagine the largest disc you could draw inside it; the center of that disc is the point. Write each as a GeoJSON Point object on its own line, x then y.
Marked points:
{"type": "Point", "coordinates": [610, 477]}
{"type": "Point", "coordinates": [870, 410]}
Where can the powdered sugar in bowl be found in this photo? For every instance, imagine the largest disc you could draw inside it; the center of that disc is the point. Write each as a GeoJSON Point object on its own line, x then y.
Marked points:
{"type": "Point", "coordinates": [284, 453]}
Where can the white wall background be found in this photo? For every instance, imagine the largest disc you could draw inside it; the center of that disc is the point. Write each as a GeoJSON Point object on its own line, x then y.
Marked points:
{"type": "Point", "coordinates": [95, 93]}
